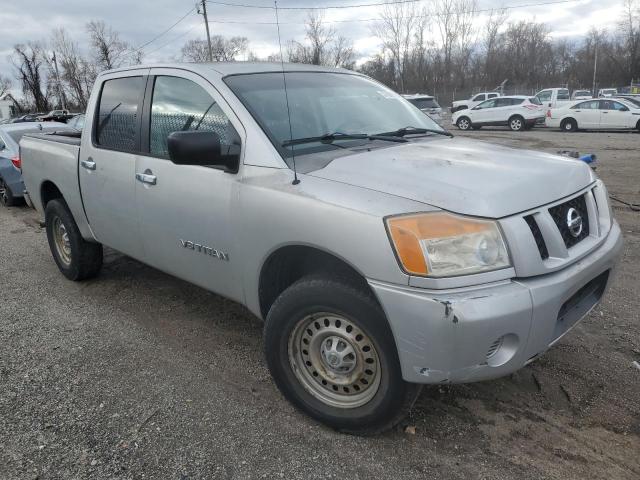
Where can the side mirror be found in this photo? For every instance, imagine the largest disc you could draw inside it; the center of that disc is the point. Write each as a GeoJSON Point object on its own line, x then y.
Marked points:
{"type": "Point", "coordinates": [203, 149]}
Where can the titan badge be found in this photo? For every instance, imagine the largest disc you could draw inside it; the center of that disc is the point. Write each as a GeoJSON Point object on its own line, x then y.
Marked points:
{"type": "Point", "coordinates": [220, 255]}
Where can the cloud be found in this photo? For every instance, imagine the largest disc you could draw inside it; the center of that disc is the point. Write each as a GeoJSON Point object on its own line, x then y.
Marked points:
{"type": "Point", "coordinates": [139, 21]}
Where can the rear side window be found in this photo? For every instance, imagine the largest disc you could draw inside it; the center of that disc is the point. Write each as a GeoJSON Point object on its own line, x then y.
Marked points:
{"type": "Point", "coordinates": [181, 105]}
{"type": "Point", "coordinates": [424, 102]}
{"type": "Point", "coordinates": [544, 96]}
{"type": "Point", "coordinates": [492, 95]}
{"type": "Point", "coordinates": [563, 95]}
{"type": "Point", "coordinates": [117, 121]}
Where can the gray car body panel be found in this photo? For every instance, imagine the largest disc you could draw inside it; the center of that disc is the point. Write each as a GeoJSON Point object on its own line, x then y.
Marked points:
{"type": "Point", "coordinates": [341, 209]}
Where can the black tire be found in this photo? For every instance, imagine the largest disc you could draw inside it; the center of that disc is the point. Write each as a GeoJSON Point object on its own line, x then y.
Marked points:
{"type": "Point", "coordinates": [6, 195]}
{"type": "Point", "coordinates": [569, 125]}
{"type": "Point", "coordinates": [323, 295]}
{"type": "Point", "coordinates": [463, 123]}
{"type": "Point", "coordinates": [638, 127]}
{"type": "Point", "coordinates": [85, 258]}
{"type": "Point", "coordinates": [516, 123]}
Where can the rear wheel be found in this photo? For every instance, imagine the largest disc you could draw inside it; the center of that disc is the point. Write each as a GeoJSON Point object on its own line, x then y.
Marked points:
{"type": "Point", "coordinates": [332, 354]}
{"type": "Point", "coordinates": [569, 125]}
{"type": "Point", "coordinates": [6, 195]}
{"type": "Point", "coordinates": [516, 123]}
{"type": "Point", "coordinates": [76, 258]}
{"type": "Point", "coordinates": [463, 123]}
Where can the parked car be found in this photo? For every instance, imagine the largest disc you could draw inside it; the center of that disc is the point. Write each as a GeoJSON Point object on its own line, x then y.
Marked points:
{"type": "Point", "coordinates": [382, 256]}
{"type": "Point", "coordinates": [517, 112]}
{"type": "Point", "coordinates": [76, 122]}
{"type": "Point", "coordinates": [553, 97]}
{"type": "Point", "coordinates": [427, 104]}
{"type": "Point", "coordinates": [11, 185]}
{"type": "Point", "coordinates": [56, 116]}
{"type": "Point", "coordinates": [581, 95]}
{"type": "Point", "coordinates": [635, 99]}
{"type": "Point", "coordinates": [29, 117]}
{"type": "Point", "coordinates": [473, 101]}
{"type": "Point", "coordinates": [596, 114]}
{"type": "Point", "coordinates": [607, 92]}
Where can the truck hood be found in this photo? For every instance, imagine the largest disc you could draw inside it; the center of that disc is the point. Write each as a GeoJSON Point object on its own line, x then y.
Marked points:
{"type": "Point", "coordinates": [463, 176]}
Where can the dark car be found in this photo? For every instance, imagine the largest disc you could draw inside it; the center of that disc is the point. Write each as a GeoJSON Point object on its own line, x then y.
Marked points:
{"type": "Point", "coordinates": [11, 185]}
{"type": "Point", "coordinates": [29, 117]}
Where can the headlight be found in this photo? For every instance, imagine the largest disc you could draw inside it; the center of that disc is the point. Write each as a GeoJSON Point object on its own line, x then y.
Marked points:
{"type": "Point", "coordinates": [441, 244]}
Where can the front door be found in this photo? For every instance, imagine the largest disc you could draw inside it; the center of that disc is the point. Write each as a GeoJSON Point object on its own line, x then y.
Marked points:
{"type": "Point", "coordinates": [483, 112]}
{"type": "Point", "coordinates": [588, 114]}
{"type": "Point", "coordinates": [107, 161]}
{"type": "Point", "coordinates": [185, 212]}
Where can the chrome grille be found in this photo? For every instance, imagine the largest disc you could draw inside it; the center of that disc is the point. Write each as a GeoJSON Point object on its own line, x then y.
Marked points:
{"type": "Point", "coordinates": [559, 214]}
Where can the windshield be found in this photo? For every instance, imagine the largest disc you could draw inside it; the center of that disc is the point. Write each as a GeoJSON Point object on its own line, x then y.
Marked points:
{"type": "Point", "coordinates": [320, 104]}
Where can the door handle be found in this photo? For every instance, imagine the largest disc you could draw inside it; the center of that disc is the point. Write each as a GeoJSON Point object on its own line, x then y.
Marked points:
{"type": "Point", "coordinates": [89, 164]}
{"type": "Point", "coordinates": [605, 112]}
{"type": "Point", "coordinates": [146, 177]}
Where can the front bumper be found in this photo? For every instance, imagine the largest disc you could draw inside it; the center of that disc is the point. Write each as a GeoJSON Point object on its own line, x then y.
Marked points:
{"type": "Point", "coordinates": [478, 333]}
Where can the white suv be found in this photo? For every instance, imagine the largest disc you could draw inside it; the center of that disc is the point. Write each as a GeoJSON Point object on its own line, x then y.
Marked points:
{"type": "Point", "coordinates": [518, 112]}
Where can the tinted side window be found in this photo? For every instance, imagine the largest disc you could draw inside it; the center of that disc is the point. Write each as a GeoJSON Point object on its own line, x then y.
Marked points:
{"type": "Point", "coordinates": [478, 98]}
{"type": "Point", "coordinates": [591, 105]}
{"type": "Point", "coordinates": [117, 122]}
{"type": "Point", "coordinates": [179, 105]}
{"type": "Point", "coordinates": [492, 95]}
{"type": "Point", "coordinates": [486, 104]}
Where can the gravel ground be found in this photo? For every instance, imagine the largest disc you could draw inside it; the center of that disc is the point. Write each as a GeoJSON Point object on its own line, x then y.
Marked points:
{"type": "Point", "coordinates": [139, 375]}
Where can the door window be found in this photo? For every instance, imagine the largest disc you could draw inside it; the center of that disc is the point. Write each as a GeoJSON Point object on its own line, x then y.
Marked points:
{"type": "Point", "coordinates": [180, 105]}
{"type": "Point", "coordinates": [478, 98]}
{"type": "Point", "coordinates": [593, 105]}
{"type": "Point", "coordinates": [117, 122]}
{"type": "Point", "coordinates": [487, 104]}
{"type": "Point", "coordinates": [492, 95]}
{"type": "Point", "coordinates": [544, 96]}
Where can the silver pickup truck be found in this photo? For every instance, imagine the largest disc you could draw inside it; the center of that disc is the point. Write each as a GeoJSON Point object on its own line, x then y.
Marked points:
{"type": "Point", "coordinates": [381, 253]}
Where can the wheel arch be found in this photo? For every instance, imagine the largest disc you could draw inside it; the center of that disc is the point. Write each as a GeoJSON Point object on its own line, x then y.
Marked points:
{"type": "Point", "coordinates": [49, 191]}
{"type": "Point", "coordinates": [288, 263]}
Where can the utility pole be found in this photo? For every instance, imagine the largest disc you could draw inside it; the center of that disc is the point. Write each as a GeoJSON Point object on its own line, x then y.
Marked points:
{"type": "Point", "coordinates": [595, 69]}
{"type": "Point", "coordinates": [60, 96]}
{"type": "Point", "coordinates": [203, 4]}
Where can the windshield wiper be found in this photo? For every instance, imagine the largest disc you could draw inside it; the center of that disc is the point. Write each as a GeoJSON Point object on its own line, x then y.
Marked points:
{"type": "Point", "coordinates": [401, 132]}
{"type": "Point", "coordinates": [331, 137]}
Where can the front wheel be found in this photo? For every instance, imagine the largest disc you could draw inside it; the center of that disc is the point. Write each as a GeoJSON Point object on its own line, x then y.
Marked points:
{"type": "Point", "coordinates": [332, 354]}
{"type": "Point", "coordinates": [463, 123]}
{"type": "Point", "coordinates": [76, 258]}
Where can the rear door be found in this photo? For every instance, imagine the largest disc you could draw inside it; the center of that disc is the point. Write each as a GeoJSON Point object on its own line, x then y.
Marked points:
{"type": "Point", "coordinates": [614, 115]}
{"type": "Point", "coordinates": [107, 161]}
{"type": "Point", "coordinates": [185, 212]}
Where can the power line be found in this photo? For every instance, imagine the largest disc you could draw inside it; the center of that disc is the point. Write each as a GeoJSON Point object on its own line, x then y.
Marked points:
{"type": "Point", "coordinates": [173, 40]}
{"type": "Point", "coordinates": [165, 31]}
{"type": "Point", "coordinates": [327, 7]}
{"type": "Point", "coordinates": [429, 15]}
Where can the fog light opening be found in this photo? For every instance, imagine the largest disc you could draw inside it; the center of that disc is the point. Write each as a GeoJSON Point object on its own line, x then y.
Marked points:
{"type": "Point", "coordinates": [502, 349]}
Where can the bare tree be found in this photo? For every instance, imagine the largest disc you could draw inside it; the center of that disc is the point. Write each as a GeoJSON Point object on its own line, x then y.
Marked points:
{"type": "Point", "coordinates": [109, 51]}
{"type": "Point", "coordinates": [396, 30]}
{"type": "Point", "coordinates": [27, 60]}
{"type": "Point", "coordinates": [321, 46]}
{"type": "Point", "coordinates": [76, 74]}
{"type": "Point", "coordinates": [223, 49]}
{"type": "Point", "coordinates": [5, 85]}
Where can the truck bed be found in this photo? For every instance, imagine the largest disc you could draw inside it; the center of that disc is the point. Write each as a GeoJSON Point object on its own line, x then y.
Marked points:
{"type": "Point", "coordinates": [52, 159]}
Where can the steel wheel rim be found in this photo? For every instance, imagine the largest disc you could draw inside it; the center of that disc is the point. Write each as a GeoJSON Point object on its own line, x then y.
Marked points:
{"type": "Point", "coordinates": [61, 240]}
{"type": "Point", "coordinates": [334, 360]}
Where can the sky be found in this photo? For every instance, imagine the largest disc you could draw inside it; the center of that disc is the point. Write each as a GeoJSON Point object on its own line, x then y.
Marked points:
{"type": "Point", "coordinates": [141, 21]}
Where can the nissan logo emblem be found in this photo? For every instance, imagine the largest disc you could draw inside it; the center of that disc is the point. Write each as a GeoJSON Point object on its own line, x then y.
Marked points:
{"type": "Point", "coordinates": [574, 222]}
